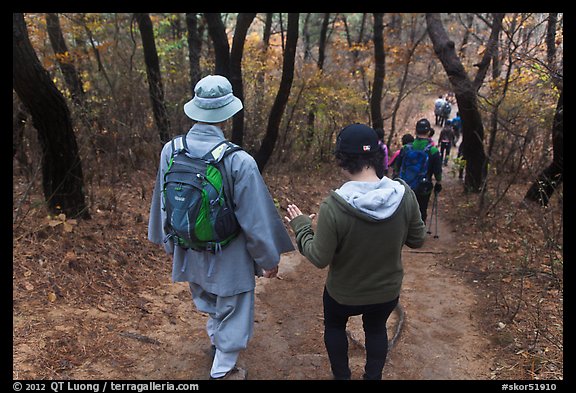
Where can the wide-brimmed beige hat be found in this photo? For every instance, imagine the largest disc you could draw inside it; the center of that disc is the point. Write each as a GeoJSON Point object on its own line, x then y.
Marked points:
{"type": "Point", "coordinates": [213, 100]}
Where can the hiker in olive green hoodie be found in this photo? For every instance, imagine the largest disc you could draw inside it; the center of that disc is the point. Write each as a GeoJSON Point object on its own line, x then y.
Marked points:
{"type": "Point", "coordinates": [361, 229]}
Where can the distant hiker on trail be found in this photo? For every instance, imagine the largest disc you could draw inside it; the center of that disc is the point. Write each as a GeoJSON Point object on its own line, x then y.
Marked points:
{"type": "Point", "coordinates": [222, 277]}
{"type": "Point", "coordinates": [361, 229]}
{"type": "Point", "coordinates": [447, 140]}
{"type": "Point", "coordinates": [457, 126]}
{"type": "Point", "coordinates": [439, 110]}
{"type": "Point", "coordinates": [430, 135]}
{"type": "Point", "coordinates": [416, 164]}
{"type": "Point", "coordinates": [382, 145]}
{"type": "Point", "coordinates": [406, 138]}
{"type": "Point", "coordinates": [446, 110]}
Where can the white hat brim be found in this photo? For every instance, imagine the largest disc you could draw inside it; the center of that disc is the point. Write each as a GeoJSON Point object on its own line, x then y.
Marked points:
{"type": "Point", "coordinates": [216, 115]}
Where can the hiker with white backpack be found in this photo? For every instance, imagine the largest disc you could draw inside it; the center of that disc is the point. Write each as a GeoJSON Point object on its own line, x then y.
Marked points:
{"type": "Point", "coordinates": [439, 105]}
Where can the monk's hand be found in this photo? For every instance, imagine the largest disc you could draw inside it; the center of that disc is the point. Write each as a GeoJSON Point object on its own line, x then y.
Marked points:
{"type": "Point", "coordinates": [271, 273]}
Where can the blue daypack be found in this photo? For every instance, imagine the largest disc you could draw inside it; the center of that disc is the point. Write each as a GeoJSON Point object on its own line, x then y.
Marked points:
{"type": "Point", "coordinates": [414, 168]}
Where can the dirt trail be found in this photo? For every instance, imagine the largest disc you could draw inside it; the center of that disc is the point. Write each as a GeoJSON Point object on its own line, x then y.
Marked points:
{"type": "Point", "coordinates": [439, 340]}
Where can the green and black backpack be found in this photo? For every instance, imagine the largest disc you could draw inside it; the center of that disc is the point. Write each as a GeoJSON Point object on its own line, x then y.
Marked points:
{"type": "Point", "coordinates": [196, 198]}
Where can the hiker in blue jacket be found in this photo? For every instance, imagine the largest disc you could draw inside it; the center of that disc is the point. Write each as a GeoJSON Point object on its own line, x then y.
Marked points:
{"type": "Point", "coordinates": [424, 187]}
{"type": "Point", "coordinates": [457, 126]}
{"type": "Point", "coordinates": [222, 283]}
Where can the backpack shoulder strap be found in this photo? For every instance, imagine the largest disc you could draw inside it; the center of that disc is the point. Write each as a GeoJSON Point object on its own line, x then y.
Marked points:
{"type": "Point", "coordinates": [221, 150]}
{"type": "Point", "coordinates": [214, 156]}
{"type": "Point", "coordinates": [179, 144]}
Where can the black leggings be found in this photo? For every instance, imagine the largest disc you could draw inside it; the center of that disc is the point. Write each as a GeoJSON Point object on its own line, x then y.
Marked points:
{"type": "Point", "coordinates": [374, 317]}
{"type": "Point", "coordinates": [423, 200]}
{"type": "Point", "coordinates": [445, 151]}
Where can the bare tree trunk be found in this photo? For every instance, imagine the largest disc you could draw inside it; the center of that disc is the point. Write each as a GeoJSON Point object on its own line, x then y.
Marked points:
{"type": "Point", "coordinates": [468, 27]}
{"type": "Point", "coordinates": [379, 72]}
{"type": "Point", "coordinates": [306, 38]}
{"type": "Point", "coordinates": [71, 75]}
{"type": "Point", "coordinates": [465, 92]}
{"type": "Point", "coordinates": [154, 76]}
{"type": "Point", "coordinates": [259, 115]}
{"type": "Point", "coordinates": [217, 32]}
{"type": "Point", "coordinates": [267, 147]}
{"type": "Point", "coordinates": [355, 52]}
{"type": "Point", "coordinates": [19, 119]}
{"type": "Point", "coordinates": [62, 178]}
{"type": "Point", "coordinates": [322, 40]}
{"type": "Point", "coordinates": [243, 22]}
{"type": "Point", "coordinates": [491, 49]}
{"type": "Point", "coordinates": [64, 59]}
{"type": "Point", "coordinates": [414, 42]}
{"type": "Point", "coordinates": [551, 178]}
{"type": "Point", "coordinates": [84, 23]}
{"type": "Point", "coordinates": [551, 40]}
{"type": "Point", "coordinates": [194, 49]}
{"type": "Point", "coordinates": [320, 63]}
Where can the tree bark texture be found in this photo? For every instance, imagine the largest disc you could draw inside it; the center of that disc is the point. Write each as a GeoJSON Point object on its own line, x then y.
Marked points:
{"type": "Point", "coordinates": [311, 119]}
{"type": "Point", "coordinates": [194, 49]}
{"type": "Point", "coordinates": [64, 59]}
{"type": "Point", "coordinates": [490, 51]}
{"type": "Point", "coordinates": [379, 71]}
{"type": "Point", "coordinates": [243, 22]}
{"type": "Point", "coordinates": [217, 32]}
{"type": "Point", "coordinates": [322, 40]}
{"type": "Point", "coordinates": [551, 178]}
{"type": "Point", "coordinates": [267, 147]}
{"type": "Point", "coordinates": [465, 92]}
{"type": "Point", "coordinates": [62, 178]}
{"type": "Point", "coordinates": [154, 76]}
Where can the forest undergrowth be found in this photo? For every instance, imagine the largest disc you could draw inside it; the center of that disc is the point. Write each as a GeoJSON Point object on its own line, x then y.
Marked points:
{"type": "Point", "coordinates": [512, 253]}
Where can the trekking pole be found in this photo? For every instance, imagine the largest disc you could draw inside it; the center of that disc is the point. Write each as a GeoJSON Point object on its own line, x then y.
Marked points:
{"type": "Point", "coordinates": [429, 231]}
{"type": "Point", "coordinates": [435, 206]}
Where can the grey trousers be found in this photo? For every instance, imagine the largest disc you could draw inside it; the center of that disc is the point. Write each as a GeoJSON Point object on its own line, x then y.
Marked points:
{"type": "Point", "coordinates": [230, 325]}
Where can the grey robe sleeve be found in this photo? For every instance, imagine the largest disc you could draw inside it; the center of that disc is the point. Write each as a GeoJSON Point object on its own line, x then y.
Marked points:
{"type": "Point", "coordinates": [156, 232]}
{"type": "Point", "coordinates": [266, 235]}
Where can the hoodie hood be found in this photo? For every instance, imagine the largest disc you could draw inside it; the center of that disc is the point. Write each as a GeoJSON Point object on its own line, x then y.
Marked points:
{"type": "Point", "coordinates": [378, 200]}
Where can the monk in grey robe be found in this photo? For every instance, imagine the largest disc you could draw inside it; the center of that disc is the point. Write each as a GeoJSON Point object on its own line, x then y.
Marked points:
{"type": "Point", "coordinates": [222, 283]}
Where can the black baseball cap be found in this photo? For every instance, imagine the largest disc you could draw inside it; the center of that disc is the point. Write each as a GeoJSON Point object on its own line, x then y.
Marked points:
{"type": "Point", "coordinates": [357, 139]}
{"type": "Point", "coordinates": [422, 126]}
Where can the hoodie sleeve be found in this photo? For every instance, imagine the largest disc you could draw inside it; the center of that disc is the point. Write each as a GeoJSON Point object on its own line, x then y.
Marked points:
{"type": "Point", "coordinates": [318, 247]}
{"type": "Point", "coordinates": [416, 227]}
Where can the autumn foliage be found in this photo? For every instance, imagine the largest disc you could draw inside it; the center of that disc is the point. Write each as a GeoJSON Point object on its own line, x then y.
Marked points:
{"type": "Point", "coordinates": [512, 247]}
